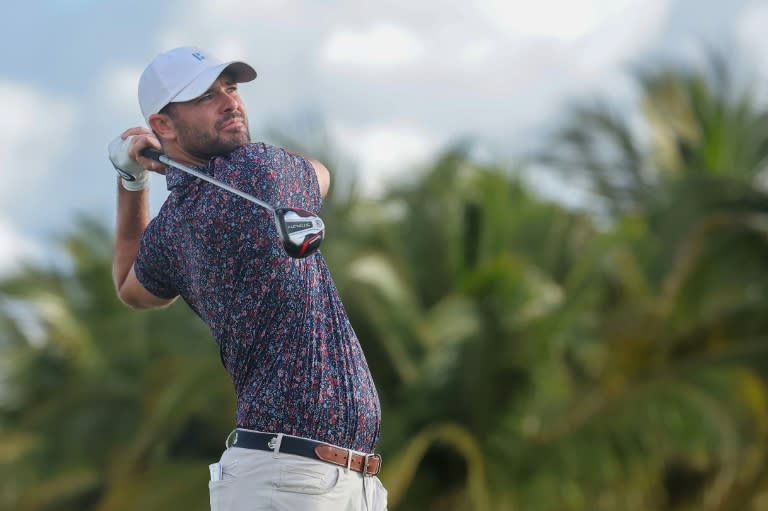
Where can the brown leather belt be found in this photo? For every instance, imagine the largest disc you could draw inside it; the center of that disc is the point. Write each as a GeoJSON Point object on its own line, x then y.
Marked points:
{"type": "Point", "coordinates": [367, 464]}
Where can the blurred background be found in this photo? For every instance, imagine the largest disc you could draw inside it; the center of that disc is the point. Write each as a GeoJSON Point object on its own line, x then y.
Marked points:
{"type": "Point", "coordinates": [548, 223]}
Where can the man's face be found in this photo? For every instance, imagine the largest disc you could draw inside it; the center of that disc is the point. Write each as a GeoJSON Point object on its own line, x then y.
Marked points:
{"type": "Point", "coordinates": [213, 124]}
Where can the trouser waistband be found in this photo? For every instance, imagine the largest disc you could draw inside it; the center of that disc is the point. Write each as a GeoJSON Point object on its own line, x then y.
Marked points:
{"type": "Point", "coordinates": [367, 464]}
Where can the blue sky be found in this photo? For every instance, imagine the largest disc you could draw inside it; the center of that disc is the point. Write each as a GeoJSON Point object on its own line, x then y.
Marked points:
{"type": "Point", "coordinates": [393, 80]}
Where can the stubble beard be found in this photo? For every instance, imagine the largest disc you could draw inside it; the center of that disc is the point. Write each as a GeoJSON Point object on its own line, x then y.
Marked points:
{"type": "Point", "coordinates": [208, 144]}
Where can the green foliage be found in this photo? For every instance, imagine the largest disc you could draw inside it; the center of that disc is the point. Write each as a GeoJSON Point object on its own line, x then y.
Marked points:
{"type": "Point", "coordinates": [100, 400]}
{"type": "Point", "coordinates": [527, 356]}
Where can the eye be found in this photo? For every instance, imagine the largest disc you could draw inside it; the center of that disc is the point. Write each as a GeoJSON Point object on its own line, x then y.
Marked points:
{"type": "Point", "coordinates": [205, 97]}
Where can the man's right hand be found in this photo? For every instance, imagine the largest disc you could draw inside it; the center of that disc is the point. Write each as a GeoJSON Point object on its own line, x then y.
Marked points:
{"type": "Point", "coordinates": [124, 154]}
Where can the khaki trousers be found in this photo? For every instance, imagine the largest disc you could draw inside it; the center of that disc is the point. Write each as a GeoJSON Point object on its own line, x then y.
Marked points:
{"type": "Point", "coordinates": [253, 480]}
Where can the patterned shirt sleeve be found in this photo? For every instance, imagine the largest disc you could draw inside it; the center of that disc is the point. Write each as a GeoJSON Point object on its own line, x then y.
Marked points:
{"type": "Point", "coordinates": [304, 168]}
{"type": "Point", "coordinates": [282, 178]}
{"type": "Point", "coordinates": [152, 266]}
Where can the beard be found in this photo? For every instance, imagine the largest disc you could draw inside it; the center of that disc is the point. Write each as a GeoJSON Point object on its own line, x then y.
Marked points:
{"type": "Point", "coordinates": [206, 144]}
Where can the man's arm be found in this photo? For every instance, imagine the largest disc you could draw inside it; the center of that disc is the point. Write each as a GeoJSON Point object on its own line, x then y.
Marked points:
{"type": "Point", "coordinates": [323, 176]}
{"type": "Point", "coordinates": [132, 219]}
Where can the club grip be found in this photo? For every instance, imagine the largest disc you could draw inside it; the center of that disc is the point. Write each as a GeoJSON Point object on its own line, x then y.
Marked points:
{"type": "Point", "coordinates": [151, 153]}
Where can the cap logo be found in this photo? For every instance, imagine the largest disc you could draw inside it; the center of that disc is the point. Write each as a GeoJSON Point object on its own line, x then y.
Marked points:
{"type": "Point", "coordinates": [199, 56]}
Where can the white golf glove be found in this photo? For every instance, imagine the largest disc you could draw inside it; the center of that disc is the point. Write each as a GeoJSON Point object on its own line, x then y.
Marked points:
{"type": "Point", "coordinates": [134, 176]}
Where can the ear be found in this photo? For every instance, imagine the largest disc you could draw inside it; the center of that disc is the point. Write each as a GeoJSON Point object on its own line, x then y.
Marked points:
{"type": "Point", "coordinates": [163, 126]}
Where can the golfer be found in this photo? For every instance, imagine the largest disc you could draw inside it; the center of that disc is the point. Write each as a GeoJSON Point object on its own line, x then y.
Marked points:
{"type": "Point", "coordinates": [308, 414]}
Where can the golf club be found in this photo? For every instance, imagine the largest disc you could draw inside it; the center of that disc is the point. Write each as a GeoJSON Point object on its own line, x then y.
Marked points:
{"type": "Point", "coordinates": [300, 231]}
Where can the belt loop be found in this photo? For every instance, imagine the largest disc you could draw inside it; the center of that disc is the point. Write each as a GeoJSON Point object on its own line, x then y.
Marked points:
{"type": "Point", "coordinates": [349, 459]}
{"type": "Point", "coordinates": [366, 464]}
{"type": "Point", "coordinates": [275, 445]}
{"type": "Point", "coordinates": [232, 436]}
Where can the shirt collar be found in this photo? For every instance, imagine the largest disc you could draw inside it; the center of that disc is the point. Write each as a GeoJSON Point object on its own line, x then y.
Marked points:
{"type": "Point", "coordinates": [178, 179]}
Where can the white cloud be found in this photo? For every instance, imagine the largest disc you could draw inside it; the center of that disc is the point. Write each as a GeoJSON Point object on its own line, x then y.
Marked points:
{"type": "Point", "coordinates": [491, 45]}
{"type": "Point", "coordinates": [492, 69]}
{"type": "Point", "coordinates": [479, 50]}
{"type": "Point", "coordinates": [576, 39]}
{"type": "Point", "coordinates": [611, 43]}
{"type": "Point", "coordinates": [284, 12]}
{"type": "Point", "coordinates": [15, 248]}
{"type": "Point", "coordinates": [533, 52]}
{"type": "Point", "coordinates": [383, 46]}
{"type": "Point", "coordinates": [751, 33]}
{"type": "Point", "coordinates": [565, 20]}
{"type": "Point", "coordinates": [556, 19]}
{"type": "Point", "coordinates": [752, 21]}
{"type": "Point", "coordinates": [384, 152]}
{"type": "Point", "coordinates": [119, 88]}
{"type": "Point", "coordinates": [35, 129]}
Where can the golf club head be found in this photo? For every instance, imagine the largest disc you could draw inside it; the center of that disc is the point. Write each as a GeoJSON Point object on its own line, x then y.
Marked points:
{"type": "Point", "coordinates": [300, 231]}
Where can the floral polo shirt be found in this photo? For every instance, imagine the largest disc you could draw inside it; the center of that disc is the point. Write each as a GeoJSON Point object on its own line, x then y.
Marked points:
{"type": "Point", "coordinates": [282, 331]}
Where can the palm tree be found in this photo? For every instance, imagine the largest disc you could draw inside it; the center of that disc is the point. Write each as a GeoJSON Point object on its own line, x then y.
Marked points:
{"type": "Point", "coordinates": [685, 300]}
{"type": "Point", "coordinates": [442, 297]}
{"type": "Point", "coordinates": [527, 356]}
{"type": "Point", "coordinates": [635, 383]}
{"type": "Point", "coordinates": [104, 408]}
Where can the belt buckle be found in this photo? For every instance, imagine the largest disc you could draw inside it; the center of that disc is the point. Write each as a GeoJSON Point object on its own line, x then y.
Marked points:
{"type": "Point", "coordinates": [365, 465]}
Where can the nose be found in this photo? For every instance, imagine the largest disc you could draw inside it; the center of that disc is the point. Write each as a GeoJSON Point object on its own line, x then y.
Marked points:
{"type": "Point", "coordinates": [230, 102]}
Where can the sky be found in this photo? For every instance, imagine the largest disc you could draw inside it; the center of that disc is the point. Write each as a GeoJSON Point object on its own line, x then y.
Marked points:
{"type": "Point", "coordinates": [393, 82]}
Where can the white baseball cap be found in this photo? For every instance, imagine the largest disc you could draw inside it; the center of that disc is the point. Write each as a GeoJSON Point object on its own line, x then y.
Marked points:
{"type": "Point", "coordinates": [182, 74]}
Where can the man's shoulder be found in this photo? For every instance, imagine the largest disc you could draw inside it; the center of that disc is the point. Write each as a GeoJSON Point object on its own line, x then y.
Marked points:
{"type": "Point", "coordinates": [259, 150]}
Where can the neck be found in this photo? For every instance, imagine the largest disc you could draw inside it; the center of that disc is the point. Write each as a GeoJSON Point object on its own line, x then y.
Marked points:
{"type": "Point", "coordinates": [176, 153]}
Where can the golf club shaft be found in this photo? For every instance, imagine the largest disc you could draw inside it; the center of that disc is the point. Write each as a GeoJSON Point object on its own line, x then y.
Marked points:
{"type": "Point", "coordinates": [162, 158]}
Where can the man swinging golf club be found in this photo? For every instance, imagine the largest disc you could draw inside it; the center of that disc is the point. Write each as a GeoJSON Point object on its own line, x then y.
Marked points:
{"type": "Point", "coordinates": [236, 239]}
